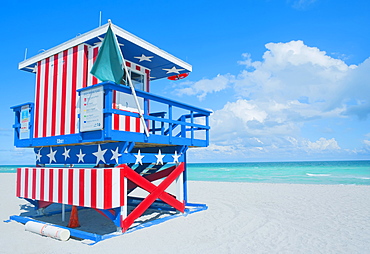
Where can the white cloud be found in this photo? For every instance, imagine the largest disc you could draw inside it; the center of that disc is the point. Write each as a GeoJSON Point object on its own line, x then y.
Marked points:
{"type": "Point", "coordinates": [365, 149]}
{"type": "Point", "coordinates": [291, 71]}
{"type": "Point", "coordinates": [292, 85]}
{"type": "Point", "coordinates": [324, 144]}
{"type": "Point", "coordinates": [202, 87]}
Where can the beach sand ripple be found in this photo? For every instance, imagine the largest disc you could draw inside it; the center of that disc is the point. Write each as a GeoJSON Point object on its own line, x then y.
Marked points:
{"type": "Point", "coordinates": [241, 218]}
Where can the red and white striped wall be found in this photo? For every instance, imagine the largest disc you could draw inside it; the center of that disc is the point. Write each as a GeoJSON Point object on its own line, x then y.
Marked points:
{"type": "Point", "coordinates": [57, 79]}
{"type": "Point", "coordinates": [101, 188]}
{"type": "Point", "coordinates": [56, 100]}
{"type": "Point", "coordinates": [127, 123]}
{"type": "Point", "coordinates": [93, 53]}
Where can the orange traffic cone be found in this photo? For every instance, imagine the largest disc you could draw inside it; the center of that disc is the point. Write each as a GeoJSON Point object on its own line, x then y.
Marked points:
{"type": "Point", "coordinates": [73, 219]}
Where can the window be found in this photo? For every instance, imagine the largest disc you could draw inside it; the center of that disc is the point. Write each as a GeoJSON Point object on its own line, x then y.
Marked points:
{"type": "Point", "coordinates": [137, 80]}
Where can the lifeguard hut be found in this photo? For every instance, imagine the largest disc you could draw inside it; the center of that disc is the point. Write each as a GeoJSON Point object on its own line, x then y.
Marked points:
{"type": "Point", "coordinates": [98, 141]}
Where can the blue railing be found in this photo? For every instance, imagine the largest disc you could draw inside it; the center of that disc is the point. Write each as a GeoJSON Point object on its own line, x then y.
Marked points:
{"type": "Point", "coordinates": [175, 124]}
{"type": "Point", "coordinates": [191, 127]}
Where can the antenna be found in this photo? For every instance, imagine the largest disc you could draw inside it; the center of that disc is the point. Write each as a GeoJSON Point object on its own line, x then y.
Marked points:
{"type": "Point", "coordinates": [100, 19]}
{"type": "Point", "coordinates": [25, 54]}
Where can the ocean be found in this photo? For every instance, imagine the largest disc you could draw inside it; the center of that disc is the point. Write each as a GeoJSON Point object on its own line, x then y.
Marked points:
{"type": "Point", "coordinates": [308, 172]}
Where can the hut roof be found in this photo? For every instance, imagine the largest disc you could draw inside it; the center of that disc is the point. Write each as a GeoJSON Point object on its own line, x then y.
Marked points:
{"type": "Point", "coordinates": [134, 49]}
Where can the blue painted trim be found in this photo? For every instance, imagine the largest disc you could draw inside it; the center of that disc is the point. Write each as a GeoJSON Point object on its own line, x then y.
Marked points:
{"type": "Point", "coordinates": [18, 107]}
{"type": "Point", "coordinates": [170, 132]}
{"type": "Point", "coordinates": [108, 117]}
{"type": "Point", "coordinates": [149, 96]}
{"type": "Point", "coordinates": [149, 154]}
{"type": "Point", "coordinates": [17, 125]}
{"type": "Point", "coordinates": [95, 238]}
{"type": "Point", "coordinates": [115, 218]}
{"type": "Point", "coordinates": [35, 203]}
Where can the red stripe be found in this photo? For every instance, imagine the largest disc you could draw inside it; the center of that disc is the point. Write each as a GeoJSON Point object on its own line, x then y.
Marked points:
{"type": "Point", "coordinates": [73, 91]}
{"type": "Point", "coordinates": [147, 80]}
{"type": "Point", "coordinates": [86, 52]}
{"type": "Point", "coordinates": [155, 193]}
{"type": "Point", "coordinates": [54, 102]}
{"type": "Point", "coordinates": [26, 183]}
{"type": "Point", "coordinates": [64, 93]}
{"type": "Point", "coordinates": [107, 188]}
{"type": "Point", "coordinates": [70, 186]}
{"type": "Point", "coordinates": [116, 122]}
{"type": "Point", "coordinates": [128, 64]}
{"type": "Point", "coordinates": [46, 98]}
{"type": "Point", "coordinates": [82, 188]}
{"type": "Point", "coordinates": [122, 186]}
{"type": "Point", "coordinates": [34, 183]}
{"type": "Point", "coordinates": [51, 184]}
{"type": "Point", "coordinates": [60, 185]}
{"type": "Point", "coordinates": [138, 124]}
{"type": "Point", "coordinates": [93, 187]}
{"type": "Point", "coordinates": [95, 54]}
{"type": "Point", "coordinates": [42, 183]}
{"type": "Point", "coordinates": [18, 190]}
{"type": "Point", "coordinates": [36, 126]}
{"type": "Point", "coordinates": [127, 123]}
{"type": "Point", "coordinates": [153, 177]}
{"type": "Point", "coordinates": [138, 68]}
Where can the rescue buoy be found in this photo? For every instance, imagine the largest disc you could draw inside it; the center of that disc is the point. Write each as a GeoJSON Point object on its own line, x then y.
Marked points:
{"type": "Point", "coordinates": [179, 76]}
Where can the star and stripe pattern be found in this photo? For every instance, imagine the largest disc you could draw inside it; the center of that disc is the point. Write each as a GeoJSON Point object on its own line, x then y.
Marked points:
{"type": "Point", "coordinates": [110, 153]}
{"type": "Point", "coordinates": [160, 63]}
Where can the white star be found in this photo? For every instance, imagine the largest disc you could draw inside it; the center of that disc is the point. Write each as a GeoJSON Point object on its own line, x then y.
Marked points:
{"type": "Point", "coordinates": [80, 156]}
{"type": "Point", "coordinates": [176, 157]}
{"type": "Point", "coordinates": [173, 70]}
{"type": "Point", "coordinates": [51, 155]}
{"type": "Point", "coordinates": [38, 155]}
{"type": "Point", "coordinates": [100, 155]}
{"type": "Point", "coordinates": [144, 58]}
{"type": "Point", "coordinates": [101, 40]}
{"type": "Point", "coordinates": [66, 153]}
{"type": "Point", "coordinates": [139, 158]}
{"type": "Point", "coordinates": [115, 155]}
{"type": "Point", "coordinates": [159, 158]}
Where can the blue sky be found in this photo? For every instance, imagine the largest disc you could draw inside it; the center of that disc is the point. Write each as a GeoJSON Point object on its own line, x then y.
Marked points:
{"type": "Point", "coordinates": [287, 80]}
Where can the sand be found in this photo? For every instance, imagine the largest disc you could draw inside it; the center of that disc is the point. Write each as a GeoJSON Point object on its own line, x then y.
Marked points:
{"type": "Point", "coordinates": [241, 218]}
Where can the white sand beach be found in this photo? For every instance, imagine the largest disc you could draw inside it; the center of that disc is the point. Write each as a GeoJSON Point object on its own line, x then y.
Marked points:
{"type": "Point", "coordinates": [241, 218]}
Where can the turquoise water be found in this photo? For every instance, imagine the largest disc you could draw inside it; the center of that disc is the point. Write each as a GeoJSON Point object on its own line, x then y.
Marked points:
{"type": "Point", "coordinates": [310, 172]}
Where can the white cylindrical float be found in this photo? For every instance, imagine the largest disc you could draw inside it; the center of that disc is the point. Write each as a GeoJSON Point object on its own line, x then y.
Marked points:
{"type": "Point", "coordinates": [49, 230]}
